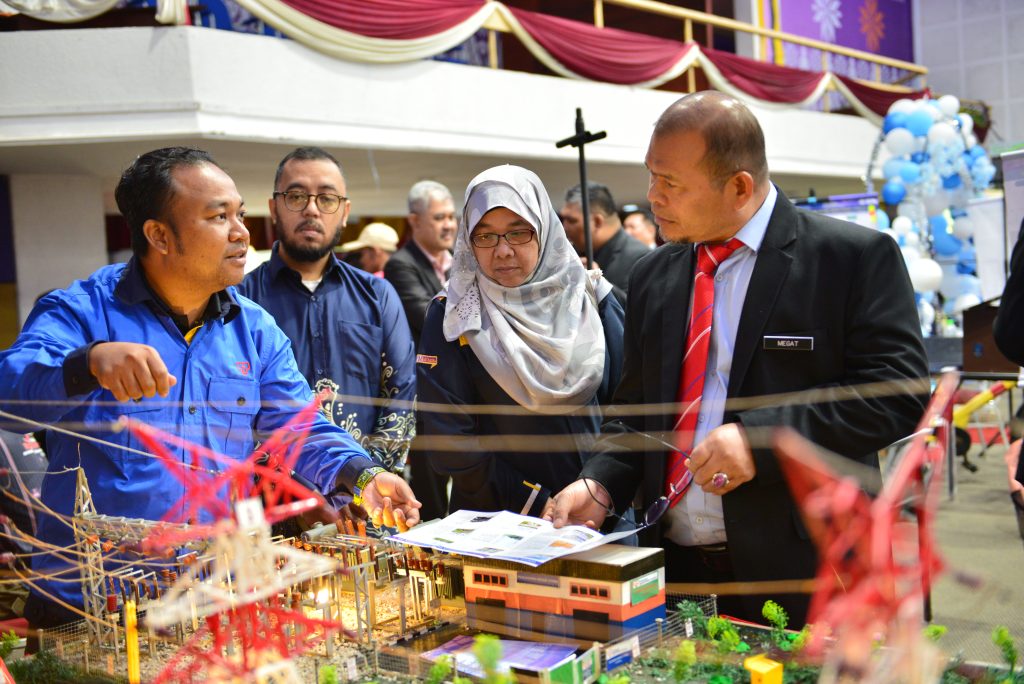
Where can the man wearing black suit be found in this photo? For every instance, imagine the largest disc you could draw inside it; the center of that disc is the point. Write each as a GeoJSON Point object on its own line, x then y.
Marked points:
{"type": "Point", "coordinates": [807, 305]}
{"type": "Point", "coordinates": [420, 268]}
{"type": "Point", "coordinates": [615, 250]}
{"type": "Point", "coordinates": [418, 271]}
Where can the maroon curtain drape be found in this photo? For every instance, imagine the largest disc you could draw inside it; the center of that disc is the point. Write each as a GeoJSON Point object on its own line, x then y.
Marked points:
{"type": "Point", "coordinates": [762, 80]}
{"type": "Point", "coordinates": [393, 19]}
{"type": "Point", "coordinates": [875, 99]}
{"type": "Point", "coordinates": [601, 54]}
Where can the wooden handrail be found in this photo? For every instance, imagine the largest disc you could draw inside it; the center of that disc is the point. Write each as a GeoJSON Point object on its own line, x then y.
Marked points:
{"type": "Point", "coordinates": [689, 16]}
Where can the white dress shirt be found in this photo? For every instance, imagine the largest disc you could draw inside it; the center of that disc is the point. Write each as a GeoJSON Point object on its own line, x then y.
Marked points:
{"type": "Point", "coordinates": [697, 519]}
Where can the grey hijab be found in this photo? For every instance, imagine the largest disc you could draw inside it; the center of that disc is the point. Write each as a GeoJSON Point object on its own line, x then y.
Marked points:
{"type": "Point", "coordinates": [543, 341]}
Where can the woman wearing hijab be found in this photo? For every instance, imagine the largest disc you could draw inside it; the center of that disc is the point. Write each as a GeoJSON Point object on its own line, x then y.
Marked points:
{"type": "Point", "coordinates": [522, 326]}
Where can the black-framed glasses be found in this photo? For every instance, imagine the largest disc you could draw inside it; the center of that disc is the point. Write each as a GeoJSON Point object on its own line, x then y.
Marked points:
{"type": "Point", "coordinates": [297, 200]}
{"type": "Point", "coordinates": [651, 516]}
{"type": "Point", "coordinates": [658, 507]}
{"type": "Point", "coordinates": [512, 237]}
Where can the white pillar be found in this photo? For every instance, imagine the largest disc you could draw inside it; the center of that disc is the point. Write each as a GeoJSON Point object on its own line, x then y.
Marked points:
{"type": "Point", "coordinates": [59, 232]}
{"type": "Point", "coordinates": [747, 44]}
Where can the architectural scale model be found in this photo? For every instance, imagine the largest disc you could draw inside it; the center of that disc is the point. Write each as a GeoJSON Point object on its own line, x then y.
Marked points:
{"type": "Point", "coordinates": [595, 595]}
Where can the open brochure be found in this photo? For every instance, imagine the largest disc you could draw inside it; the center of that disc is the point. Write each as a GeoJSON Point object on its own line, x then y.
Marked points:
{"type": "Point", "coordinates": [505, 536]}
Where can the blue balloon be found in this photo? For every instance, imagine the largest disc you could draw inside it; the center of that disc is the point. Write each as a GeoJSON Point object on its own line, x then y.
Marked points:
{"type": "Point", "coordinates": [967, 259]}
{"type": "Point", "coordinates": [919, 122]}
{"type": "Point", "coordinates": [893, 192]}
{"type": "Point", "coordinates": [882, 220]}
{"type": "Point", "coordinates": [910, 172]}
{"type": "Point", "coordinates": [952, 182]}
{"type": "Point", "coordinates": [891, 168]}
{"type": "Point", "coordinates": [968, 284]}
{"type": "Point", "coordinates": [943, 242]}
{"type": "Point", "coordinates": [894, 120]}
{"type": "Point", "coordinates": [977, 151]}
{"type": "Point", "coordinates": [919, 157]}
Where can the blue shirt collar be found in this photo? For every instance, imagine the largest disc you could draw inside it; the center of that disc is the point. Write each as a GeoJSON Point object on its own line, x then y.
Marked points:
{"type": "Point", "coordinates": [752, 233]}
{"type": "Point", "coordinates": [133, 288]}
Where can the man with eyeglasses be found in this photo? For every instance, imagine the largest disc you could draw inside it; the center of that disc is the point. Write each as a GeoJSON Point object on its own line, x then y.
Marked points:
{"type": "Point", "coordinates": [165, 340]}
{"type": "Point", "coordinates": [347, 327]}
{"type": "Point", "coordinates": [418, 270]}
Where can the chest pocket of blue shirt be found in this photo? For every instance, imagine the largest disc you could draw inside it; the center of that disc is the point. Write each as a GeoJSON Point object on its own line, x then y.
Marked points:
{"type": "Point", "coordinates": [144, 411]}
{"type": "Point", "coordinates": [359, 346]}
{"type": "Point", "coordinates": [233, 405]}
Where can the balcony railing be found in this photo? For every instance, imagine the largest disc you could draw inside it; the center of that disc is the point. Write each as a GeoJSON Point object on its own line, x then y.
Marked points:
{"type": "Point", "coordinates": [688, 18]}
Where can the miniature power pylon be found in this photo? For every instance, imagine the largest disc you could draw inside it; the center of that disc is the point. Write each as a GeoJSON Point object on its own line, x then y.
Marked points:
{"type": "Point", "coordinates": [207, 495]}
{"type": "Point", "coordinates": [239, 598]}
{"type": "Point", "coordinates": [873, 578]}
{"type": "Point", "coordinates": [93, 573]}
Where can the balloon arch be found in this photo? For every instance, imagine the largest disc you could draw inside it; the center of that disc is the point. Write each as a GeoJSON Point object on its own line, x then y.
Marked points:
{"type": "Point", "coordinates": [936, 166]}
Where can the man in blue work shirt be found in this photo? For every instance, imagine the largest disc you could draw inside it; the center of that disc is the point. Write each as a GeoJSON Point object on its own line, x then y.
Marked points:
{"type": "Point", "coordinates": [347, 327]}
{"type": "Point", "coordinates": [164, 339]}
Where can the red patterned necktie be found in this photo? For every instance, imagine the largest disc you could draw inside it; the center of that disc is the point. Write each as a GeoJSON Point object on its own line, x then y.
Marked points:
{"type": "Point", "coordinates": [695, 361]}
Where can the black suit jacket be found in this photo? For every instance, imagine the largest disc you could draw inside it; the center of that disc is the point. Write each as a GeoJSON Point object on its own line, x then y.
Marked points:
{"type": "Point", "coordinates": [1008, 328]}
{"type": "Point", "coordinates": [413, 276]}
{"type": "Point", "coordinates": [617, 258]}
{"type": "Point", "coordinates": [843, 285]}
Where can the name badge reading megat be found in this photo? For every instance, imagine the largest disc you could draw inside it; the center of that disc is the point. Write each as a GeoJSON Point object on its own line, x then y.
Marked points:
{"type": "Point", "coordinates": [788, 343]}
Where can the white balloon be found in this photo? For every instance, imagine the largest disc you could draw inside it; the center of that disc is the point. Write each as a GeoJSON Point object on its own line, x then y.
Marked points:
{"type": "Point", "coordinates": [910, 255]}
{"type": "Point", "coordinates": [912, 239]}
{"type": "Point", "coordinates": [926, 314]}
{"type": "Point", "coordinates": [970, 140]}
{"type": "Point", "coordinates": [925, 274]}
{"type": "Point", "coordinates": [918, 105]}
{"type": "Point", "coordinates": [966, 122]}
{"type": "Point", "coordinates": [963, 227]}
{"type": "Point", "coordinates": [901, 225]}
{"type": "Point", "coordinates": [907, 209]}
{"type": "Point", "coordinates": [941, 133]}
{"type": "Point", "coordinates": [903, 105]}
{"type": "Point", "coordinates": [949, 105]}
{"type": "Point", "coordinates": [899, 141]}
{"type": "Point", "coordinates": [966, 301]}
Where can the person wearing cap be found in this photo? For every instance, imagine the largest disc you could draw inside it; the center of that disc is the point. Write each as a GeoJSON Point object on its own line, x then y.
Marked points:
{"type": "Point", "coordinates": [372, 249]}
{"type": "Point", "coordinates": [347, 328]}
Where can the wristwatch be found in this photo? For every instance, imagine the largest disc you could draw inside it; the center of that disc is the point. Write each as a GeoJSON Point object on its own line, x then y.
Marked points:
{"type": "Point", "coordinates": [362, 481]}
